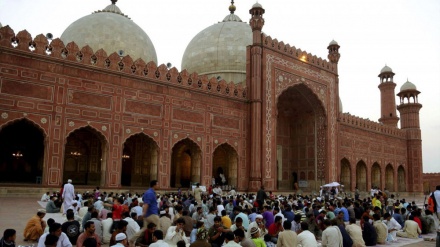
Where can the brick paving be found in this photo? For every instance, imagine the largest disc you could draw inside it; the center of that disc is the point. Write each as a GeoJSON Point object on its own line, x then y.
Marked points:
{"type": "Point", "coordinates": [14, 213]}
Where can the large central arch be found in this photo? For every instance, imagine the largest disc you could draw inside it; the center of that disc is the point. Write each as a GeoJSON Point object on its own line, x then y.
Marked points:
{"type": "Point", "coordinates": [185, 164]}
{"type": "Point", "coordinates": [300, 138]}
{"type": "Point", "coordinates": [21, 152]}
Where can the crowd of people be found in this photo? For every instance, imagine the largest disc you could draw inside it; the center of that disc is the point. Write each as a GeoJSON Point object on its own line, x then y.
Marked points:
{"type": "Point", "coordinates": [215, 218]}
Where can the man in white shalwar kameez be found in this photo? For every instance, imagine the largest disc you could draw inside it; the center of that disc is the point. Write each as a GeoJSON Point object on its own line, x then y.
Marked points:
{"type": "Point", "coordinates": [331, 236]}
{"type": "Point", "coordinates": [392, 225]}
{"type": "Point", "coordinates": [68, 195]}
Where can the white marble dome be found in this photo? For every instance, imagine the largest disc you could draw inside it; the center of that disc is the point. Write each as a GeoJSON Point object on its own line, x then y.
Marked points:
{"type": "Point", "coordinates": [333, 42]}
{"type": "Point", "coordinates": [408, 86]}
{"type": "Point", "coordinates": [112, 31]}
{"type": "Point", "coordinates": [220, 50]}
{"type": "Point", "coordinates": [386, 69]}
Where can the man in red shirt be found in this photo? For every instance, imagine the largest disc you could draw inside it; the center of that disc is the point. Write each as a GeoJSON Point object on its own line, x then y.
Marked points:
{"type": "Point", "coordinates": [275, 228]}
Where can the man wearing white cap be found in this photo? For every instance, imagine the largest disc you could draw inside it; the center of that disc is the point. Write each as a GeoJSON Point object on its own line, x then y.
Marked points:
{"type": "Point", "coordinates": [68, 195]}
{"type": "Point", "coordinates": [121, 240]}
{"type": "Point", "coordinates": [258, 223]}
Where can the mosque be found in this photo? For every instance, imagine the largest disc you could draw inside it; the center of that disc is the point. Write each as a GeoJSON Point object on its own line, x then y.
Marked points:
{"type": "Point", "coordinates": [245, 105]}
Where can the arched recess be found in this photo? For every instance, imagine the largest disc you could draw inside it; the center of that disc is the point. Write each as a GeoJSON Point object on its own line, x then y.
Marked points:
{"type": "Point", "coordinates": [389, 177]}
{"type": "Point", "coordinates": [225, 159]}
{"type": "Point", "coordinates": [186, 160]}
{"type": "Point", "coordinates": [83, 156]}
{"type": "Point", "coordinates": [22, 145]}
{"type": "Point", "coordinates": [376, 175]}
{"type": "Point", "coordinates": [139, 161]}
{"type": "Point", "coordinates": [300, 138]}
{"type": "Point", "coordinates": [401, 179]}
{"type": "Point", "coordinates": [346, 174]}
{"type": "Point", "coordinates": [361, 175]}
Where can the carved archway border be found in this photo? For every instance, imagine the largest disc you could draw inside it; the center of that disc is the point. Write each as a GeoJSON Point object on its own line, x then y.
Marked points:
{"type": "Point", "coordinates": [270, 97]}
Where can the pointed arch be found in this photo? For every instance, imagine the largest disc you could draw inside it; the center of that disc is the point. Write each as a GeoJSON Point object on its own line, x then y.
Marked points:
{"type": "Point", "coordinates": [345, 173]}
{"type": "Point", "coordinates": [22, 152]}
{"type": "Point", "coordinates": [140, 156]}
{"type": "Point", "coordinates": [225, 160]}
{"type": "Point", "coordinates": [84, 156]}
{"type": "Point", "coordinates": [401, 179]}
{"type": "Point", "coordinates": [361, 175]}
{"type": "Point", "coordinates": [300, 136]}
{"type": "Point", "coordinates": [389, 177]}
{"type": "Point", "coordinates": [186, 161]}
{"type": "Point", "coordinates": [376, 174]}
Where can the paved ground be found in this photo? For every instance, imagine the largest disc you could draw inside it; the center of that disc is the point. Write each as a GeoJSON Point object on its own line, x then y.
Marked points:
{"type": "Point", "coordinates": [14, 213]}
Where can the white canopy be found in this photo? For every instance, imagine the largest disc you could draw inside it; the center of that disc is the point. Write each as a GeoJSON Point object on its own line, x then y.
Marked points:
{"type": "Point", "coordinates": [334, 184]}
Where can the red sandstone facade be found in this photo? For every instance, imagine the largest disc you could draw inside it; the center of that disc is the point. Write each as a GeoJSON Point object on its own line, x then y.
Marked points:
{"type": "Point", "coordinates": [104, 119]}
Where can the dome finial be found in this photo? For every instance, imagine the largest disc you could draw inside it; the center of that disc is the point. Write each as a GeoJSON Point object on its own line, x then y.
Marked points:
{"type": "Point", "coordinates": [113, 1]}
{"type": "Point", "coordinates": [232, 7]}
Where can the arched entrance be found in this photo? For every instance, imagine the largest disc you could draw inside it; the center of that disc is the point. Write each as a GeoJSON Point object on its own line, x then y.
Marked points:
{"type": "Point", "coordinates": [401, 179]}
{"type": "Point", "coordinates": [21, 152]}
{"type": "Point", "coordinates": [83, 155]}
{"type": "Point", "coordinates": [389, 177]}
{"type": "Point", "coordinates": [300, 138]}
{"type": "Point", "coordinates": [346, 174]}
{"type": "Point", "coordinates": [225, 159]}
{"type": "Point", "coordinates": [139, 161]}
{"type": "Point", "coordinates": [361, 175]}
{"type": "Point", "coordinates": [376, 175]}
{"type": "Point", "coordinates": [185, 164]}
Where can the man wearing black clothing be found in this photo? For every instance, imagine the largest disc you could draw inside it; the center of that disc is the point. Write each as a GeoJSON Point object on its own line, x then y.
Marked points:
{"type": "Point", "coordinates": [8, 239]}
{"type": "Point", "coordinates": [369, 233]}
{"type": "Point", "coordinates": [71, 227]}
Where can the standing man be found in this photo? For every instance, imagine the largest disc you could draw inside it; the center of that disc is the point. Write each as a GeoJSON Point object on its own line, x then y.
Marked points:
{"type": "Point", "coordinates": [261, 196]}
{"type": "Point", "coordinates": [198, 193]}
{"type": "Point", "coordinates": [68, 195]}
{"type": "Point", "coordinates": [150, 210]}
{"type": "Point", "coordinates": [437, 200]}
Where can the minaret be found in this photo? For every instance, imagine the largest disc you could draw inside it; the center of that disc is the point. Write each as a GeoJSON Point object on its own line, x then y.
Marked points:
{"type": "Point", "coordinates": [409, 109]}
{"type": "Point", "coordinates": [333, 52]}
{"type": "Point", "coordinates": [254, 78]}
{"type": "Point", "coordinates": [387, 97]}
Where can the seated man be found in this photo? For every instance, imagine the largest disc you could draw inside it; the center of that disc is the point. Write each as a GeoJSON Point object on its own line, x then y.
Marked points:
{"type": "Point", "coordinates": [88, 235]}
{"type": "Point", "coordinates": [51, 207]}
{"type": "Point", "coordinates": [55, 230]}
{"type": "Point", "coordinates": [71, 227]}
{"type": "Point", "coordinates": [411, 229]}
{"type": "Point", "coordinates": [8, 239]}
{"type": "Point", "coordinates": [177, 233]}
{"type": "Point", "coordinates": [216, 236]}
{"type": "Point", "coordinates": [35, 226]}
{"type": "Point", "coordinates": [146, 238]}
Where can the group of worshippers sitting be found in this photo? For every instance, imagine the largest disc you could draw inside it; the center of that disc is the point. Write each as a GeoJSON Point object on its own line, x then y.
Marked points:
{"type": "Point", "coordinates": [232, 219]}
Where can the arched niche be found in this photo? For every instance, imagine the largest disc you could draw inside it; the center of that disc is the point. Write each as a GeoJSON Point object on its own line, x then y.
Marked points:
{"type": "Point", "coordinates": [376, 180]}
{"type": "Point", "coordinates": [401, 180]}
{"type": "Point", "coordinates": [389, 177]}
{"type": "Point", "coordinates": [346, 174]}
{"type": "Point", "coordinates": [186, 161]}
{"type": "Point", "coordinates": [361, 175]}
{"type": "Point", "coordinates": [225, 159]}
{"type": "Point", "coordinates": [22, 146]}
{"type": "Point", "coordinates": [139, 161]}
{"type": "Point", "coordinates": [84, 153]}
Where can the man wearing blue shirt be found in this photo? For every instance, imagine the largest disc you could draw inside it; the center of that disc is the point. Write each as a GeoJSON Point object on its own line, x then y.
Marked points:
{"type": "Point", "coordinates": [150, 210]}
{"type": "Point", "coordinates": [346, 214]}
